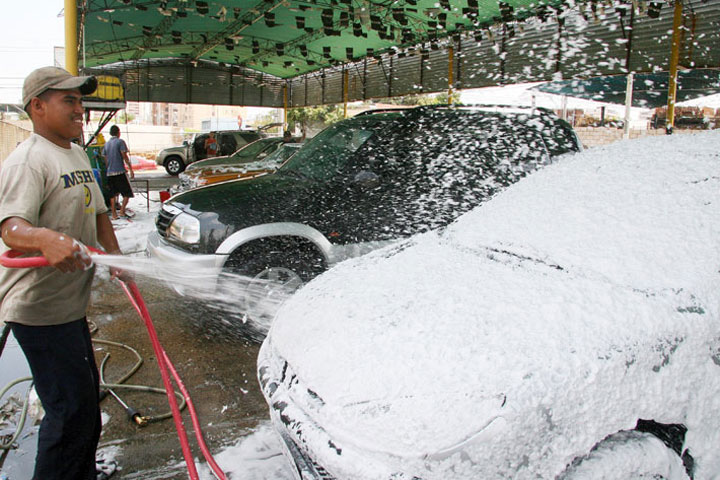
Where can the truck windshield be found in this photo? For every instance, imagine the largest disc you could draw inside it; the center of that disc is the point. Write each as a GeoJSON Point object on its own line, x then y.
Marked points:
{"type": "Point", "coordinates": [330, 150]}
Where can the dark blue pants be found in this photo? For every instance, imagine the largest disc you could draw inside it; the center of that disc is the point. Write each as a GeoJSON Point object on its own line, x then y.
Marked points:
{"type": "Point", "coordinates": [66, 380]}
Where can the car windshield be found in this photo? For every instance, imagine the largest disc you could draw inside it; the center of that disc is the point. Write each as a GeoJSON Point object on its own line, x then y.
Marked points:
{"type": "Point", "coordinates": [253, 149]}
{"type": "Point", "coordinates": [323, 156]}
{"type": "Point", "coordinates": [283, 153]}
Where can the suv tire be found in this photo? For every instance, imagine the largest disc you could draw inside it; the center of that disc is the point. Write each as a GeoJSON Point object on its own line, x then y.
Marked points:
{"type": "Point", "coordinates": [628, 454]}
{"type": "Point", "coordinates": [174, 165]}
{"type": "Point", "coordinates": [274, 268]}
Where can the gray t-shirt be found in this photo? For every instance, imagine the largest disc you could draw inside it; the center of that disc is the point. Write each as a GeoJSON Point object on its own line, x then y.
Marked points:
{"type": "Point", "coordinates": [113, 152]}
{"type": "Point", "coordinates": [52, 187]}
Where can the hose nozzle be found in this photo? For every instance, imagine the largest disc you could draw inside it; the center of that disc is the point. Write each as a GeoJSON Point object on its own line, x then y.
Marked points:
{"type": "Point", "coordinates": [140, 420]}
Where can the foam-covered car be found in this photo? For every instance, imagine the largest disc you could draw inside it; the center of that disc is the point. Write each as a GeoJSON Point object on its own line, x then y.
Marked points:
{"type": "Point", "coordinates": [568, 328]}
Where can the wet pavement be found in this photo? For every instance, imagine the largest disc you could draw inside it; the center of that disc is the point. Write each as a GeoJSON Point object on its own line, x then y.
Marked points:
{"type": "Point", "coordinates": [213, 357]}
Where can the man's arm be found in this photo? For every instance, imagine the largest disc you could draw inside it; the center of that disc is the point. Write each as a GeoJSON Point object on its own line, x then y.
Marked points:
{"type": "Point", "coordinates": [126, 157]}
{"type": "Point", "coordinates": [61, 251]}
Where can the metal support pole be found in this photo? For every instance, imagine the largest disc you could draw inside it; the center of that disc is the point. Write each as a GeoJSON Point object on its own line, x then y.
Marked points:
{"type": "Point", "coordinates": [285, 108]}
{"type": "Point", "coordinates": [71, 37]}
{"type": "Point", "coordinates": [364, 77]}
{"type": "Point", "coordinates": [230, 87]}
{"type": "Point", "coordinates": [674, 61]}
{"type": "Point", "coordinates": [188, 82]}
{"type": "Point", "coordinates": [322, 97]}
{"type": "Point", "coordinates": [389, 77]}
{"type": "Point", "coordinates": [628, 104]}
{"type": "Point", "coordinates": [346, 84]}
{"type": "Point", "coordinates": [451, 59]}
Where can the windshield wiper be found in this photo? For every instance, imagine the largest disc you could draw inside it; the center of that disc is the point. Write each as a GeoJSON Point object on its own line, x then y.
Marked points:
{"type": "Point", "coordinates": [289, 172]}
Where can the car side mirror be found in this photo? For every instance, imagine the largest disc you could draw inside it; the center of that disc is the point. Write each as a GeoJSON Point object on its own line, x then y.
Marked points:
{"type": "Point", "coordinates": [186, 143]}
{"type": "Point", "coordinates": [366, 180]}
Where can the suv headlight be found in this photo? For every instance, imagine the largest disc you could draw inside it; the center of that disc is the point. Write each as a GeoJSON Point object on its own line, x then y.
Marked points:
{"type": "Point", "coordinates": [185, 228]}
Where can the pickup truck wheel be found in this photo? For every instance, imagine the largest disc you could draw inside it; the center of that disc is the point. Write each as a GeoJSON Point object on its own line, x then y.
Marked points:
{"type": "Point", "coordinates": [273, 271]}
{"type": "Point", "coordinates": [174, 165]}
{"type": "Point", "coordinates": [628, 454]}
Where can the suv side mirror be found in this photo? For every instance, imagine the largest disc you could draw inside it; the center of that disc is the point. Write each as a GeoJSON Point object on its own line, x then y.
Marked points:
{"type": "Point", "coordinates": [366, 180]}
{"type": "Point", "coordinates": [186, 143]}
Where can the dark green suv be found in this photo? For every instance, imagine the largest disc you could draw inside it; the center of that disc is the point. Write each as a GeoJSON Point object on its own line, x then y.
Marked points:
{"type": "Point", "coordinates": [357, 185]}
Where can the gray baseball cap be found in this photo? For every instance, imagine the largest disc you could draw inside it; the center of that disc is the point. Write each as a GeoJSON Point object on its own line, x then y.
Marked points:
{"type": "Point", "coordinates": [55, 78]}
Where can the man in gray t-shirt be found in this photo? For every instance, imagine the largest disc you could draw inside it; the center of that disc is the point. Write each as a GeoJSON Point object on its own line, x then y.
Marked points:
{"type": "Point", "coordinates": [115, 152]}
{"type": "Point", "coordinates": [50, 205]}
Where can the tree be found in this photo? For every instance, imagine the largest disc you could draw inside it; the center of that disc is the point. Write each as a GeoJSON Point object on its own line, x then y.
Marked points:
{"type": "Point", "coordinates": [314, 118]}
{"type": "Point", "coordinates": [124, 117]}
{"type": "Point", "coordinates": [267, 119]}
{"type": "Point", "coordinates": [425, 99]}
{"type": "Point", "coordinates": [443, 99]}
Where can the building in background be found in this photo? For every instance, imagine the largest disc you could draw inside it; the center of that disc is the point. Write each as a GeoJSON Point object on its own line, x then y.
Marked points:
{"type": "Point", "coordinates": [192, 117]}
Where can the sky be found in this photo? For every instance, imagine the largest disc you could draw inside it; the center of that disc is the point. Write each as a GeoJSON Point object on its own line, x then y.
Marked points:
{"type": "Point", "coordinates": [28, 32]}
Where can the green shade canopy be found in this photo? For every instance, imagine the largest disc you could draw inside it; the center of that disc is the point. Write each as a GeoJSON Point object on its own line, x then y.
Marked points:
{"type": "Point", "coordinates": [650, 90]}
{"type": "Point", "coordinates": [282, 38]}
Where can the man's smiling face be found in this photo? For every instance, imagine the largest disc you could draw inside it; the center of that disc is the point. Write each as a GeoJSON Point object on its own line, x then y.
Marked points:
{"type": "Point", "coordinates": [61, 113]}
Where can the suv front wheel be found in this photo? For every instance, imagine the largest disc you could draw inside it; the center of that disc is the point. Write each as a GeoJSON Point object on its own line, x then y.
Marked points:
{"type": "Point", "coordinates": [174, 165]}
{"type": "Point", "coordinates": [272, 269]}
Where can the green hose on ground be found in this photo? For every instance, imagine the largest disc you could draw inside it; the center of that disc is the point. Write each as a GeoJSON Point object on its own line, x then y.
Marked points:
{"type": "Point", "coordinates": [9, 442]}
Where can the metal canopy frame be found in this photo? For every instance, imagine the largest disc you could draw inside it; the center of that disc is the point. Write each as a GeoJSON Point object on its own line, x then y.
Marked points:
{"type": "Point", "coordinates": [650, 90]}
{"type": "Point", "coordinates": [503, 43]}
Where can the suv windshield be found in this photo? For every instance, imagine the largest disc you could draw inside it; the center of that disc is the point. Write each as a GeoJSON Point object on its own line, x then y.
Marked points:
{"type": "Point", "coordinates": [329, 151]}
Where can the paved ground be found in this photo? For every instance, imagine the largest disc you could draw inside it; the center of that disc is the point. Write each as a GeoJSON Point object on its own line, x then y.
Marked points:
{"type": "Point", "coordinates": [216, 363]}
{"type": "Point", "coordinates": [157, 179]}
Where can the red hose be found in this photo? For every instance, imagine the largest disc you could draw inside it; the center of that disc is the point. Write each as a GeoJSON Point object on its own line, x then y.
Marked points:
{"type": "Point", "coordinates": [12, 259]}
{"type": "Point", "coordinates": [133, 293]}
{"type": "Point", "coordinates": [136, 299]}
{"type": "Point", "coordinates": [196, 423]}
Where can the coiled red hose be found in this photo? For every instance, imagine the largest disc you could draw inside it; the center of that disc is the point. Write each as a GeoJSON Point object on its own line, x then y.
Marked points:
{"type": "Point", "coordinates": [13, 259]}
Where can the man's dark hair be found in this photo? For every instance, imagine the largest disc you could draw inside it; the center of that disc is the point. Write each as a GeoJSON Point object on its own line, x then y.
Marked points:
{"type": "Point", "coordinates": [114, 130]}
{"type": "Point", "coordinates": [43, 96]}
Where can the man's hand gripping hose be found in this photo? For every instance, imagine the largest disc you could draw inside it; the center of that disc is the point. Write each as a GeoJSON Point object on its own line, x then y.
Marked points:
{"type": "Point", "coordinates": [13, 259]}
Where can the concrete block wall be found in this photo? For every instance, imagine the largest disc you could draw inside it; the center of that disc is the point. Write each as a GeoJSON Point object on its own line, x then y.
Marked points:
{"type": "Point", "coordinates": [595, 136]}
{"type": "Point", "coordinates": [10, 136]}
